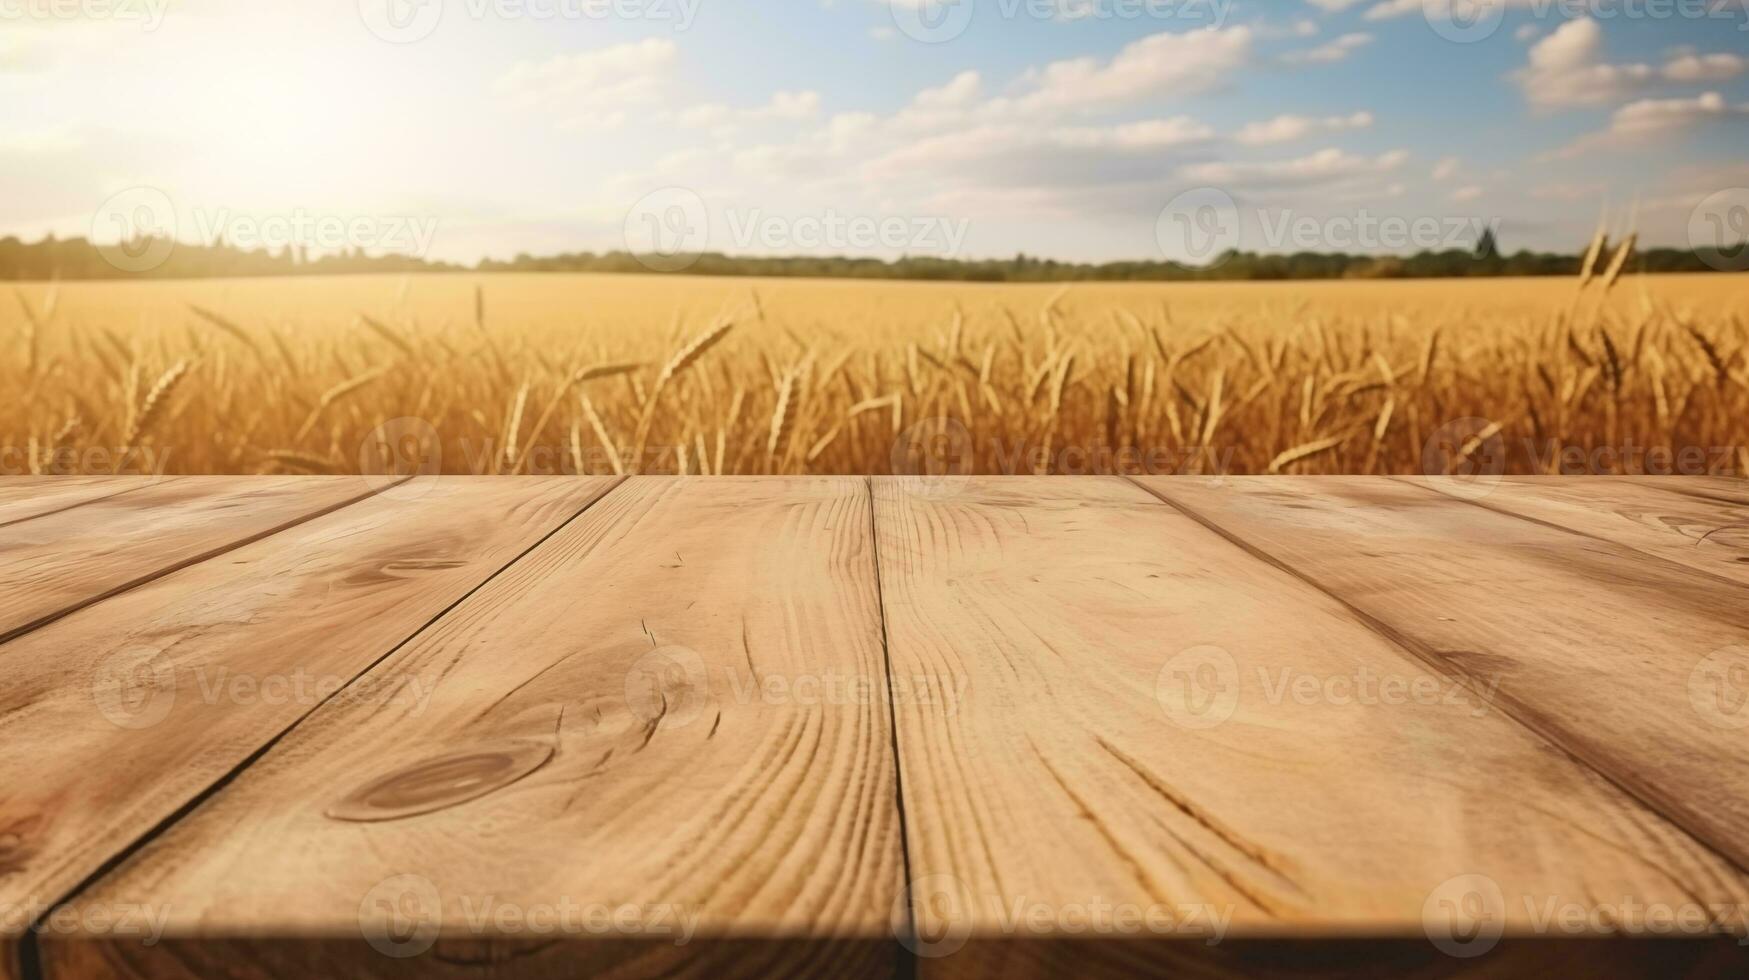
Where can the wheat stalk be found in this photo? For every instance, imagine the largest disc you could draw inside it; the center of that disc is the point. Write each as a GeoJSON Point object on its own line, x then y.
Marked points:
{"type": "Point", "coordinates": [156, 399]}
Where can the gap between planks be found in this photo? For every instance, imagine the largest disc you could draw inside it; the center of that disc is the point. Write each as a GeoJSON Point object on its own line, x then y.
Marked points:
{"type": "Point", "coordinates": [906, 966]}
{"type": "Point", "coordinates": [70, 607]}
{"type": "Point", "coordinates": [1510, 706]}
{"type": "Point", "coordinates": [28, 949]}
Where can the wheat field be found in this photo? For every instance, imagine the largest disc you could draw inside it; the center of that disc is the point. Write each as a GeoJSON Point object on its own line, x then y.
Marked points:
{"type": "Point", "coordinates": [624, 374]}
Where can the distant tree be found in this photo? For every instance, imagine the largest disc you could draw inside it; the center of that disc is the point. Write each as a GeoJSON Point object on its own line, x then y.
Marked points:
{"type": "Point", "coordinates": [1486, 247]}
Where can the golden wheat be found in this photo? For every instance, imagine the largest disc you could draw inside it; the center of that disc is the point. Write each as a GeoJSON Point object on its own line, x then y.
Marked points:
{"type": "Point", "coordinates": [1608, 373]}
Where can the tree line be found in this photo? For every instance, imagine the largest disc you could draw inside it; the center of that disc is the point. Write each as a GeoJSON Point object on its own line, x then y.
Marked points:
{"type": "Point", "coordinates": [78, 259]}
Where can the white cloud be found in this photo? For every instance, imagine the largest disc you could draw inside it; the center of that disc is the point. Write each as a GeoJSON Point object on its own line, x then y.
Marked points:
{"type": "Point", "coordinates": [1287, 128]}
{"type": "Point", "coordinates": [1567, 69]}
{"type": "Point", "coordinates": [1447, 168]}
{"type": "Point", "coordinates": [1161, 64]}
{"type": "Point", "coordinates": [1329, 166]}
{"type": "Point", "coordinates": [1464, 195]}
{"type": "Point", "coordinates": [1333, 6]}
{"type": "Point", "coordinates": [1705, 68]}
{"type": "Point", "coordinates": [1329, 52]}
{"type": "Point", "coordinates": [624, 74]}
{"type": "Point", "coordinates": [1639, 123]}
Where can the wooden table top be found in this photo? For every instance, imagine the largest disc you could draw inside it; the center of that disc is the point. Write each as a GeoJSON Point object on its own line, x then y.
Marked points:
{"type": "Point", "coordinates": [872, 727]}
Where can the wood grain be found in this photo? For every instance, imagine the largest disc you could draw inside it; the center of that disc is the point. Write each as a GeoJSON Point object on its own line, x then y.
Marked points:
{"type": "Point", "coordinates": [1699, 532]}
{"type": "Point", "coordinates": [623, 720]}
{"type": "Point", "coordinates": [22, 498]}
{"type": "Point", "coordinates": [1135, 736]}
{"type": "Point", "coordinates": [117, 716]}
{"type": "Point", "coordinates": [57, 563]}
{"type": "Point", "coordinates": [1595, 645]}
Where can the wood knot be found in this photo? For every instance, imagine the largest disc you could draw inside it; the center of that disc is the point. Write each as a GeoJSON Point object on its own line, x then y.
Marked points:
{"type": "Point", "coordinates": [441, 782]}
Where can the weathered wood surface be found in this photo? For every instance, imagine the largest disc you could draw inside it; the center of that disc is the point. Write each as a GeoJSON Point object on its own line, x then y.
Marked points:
{"type": "Point", "coordinates": [1611, 653]}
{"type": "Point", "coordinates": [987, 727]}
{"type": "Point", "coordinates": [117, 716]}
{"type": "Point", "coordinates": [22, 498]}
{"type": "Point", "coordinates": [63, 561]}
{"type": "Point", "coordinates": [1199, 734]}
{"type": "Point", "coordinates": [671, 712]}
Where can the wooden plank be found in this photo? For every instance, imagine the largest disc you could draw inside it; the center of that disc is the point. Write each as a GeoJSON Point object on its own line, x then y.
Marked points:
{"type": "Point", "coordinates": [1700, 532]}
{"type": "Point", "coordinates": [1723, 489]}
{"type": "Point", "coordinates": [119, 715]}
{"type": "Point", "coordinates": [61, 562]}
{"type": "Point", "coordinates": [22, 498]}
{"type": "Point", "coordinates": [638, 719]}
{"type": "Point", "coordinates": [1162, 738]}
{"type": "Point", "coordinates": [1629, 662]}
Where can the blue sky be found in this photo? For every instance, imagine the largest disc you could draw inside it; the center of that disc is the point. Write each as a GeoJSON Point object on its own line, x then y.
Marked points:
{"type": "Point", "coordinates": [1076, 129]}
